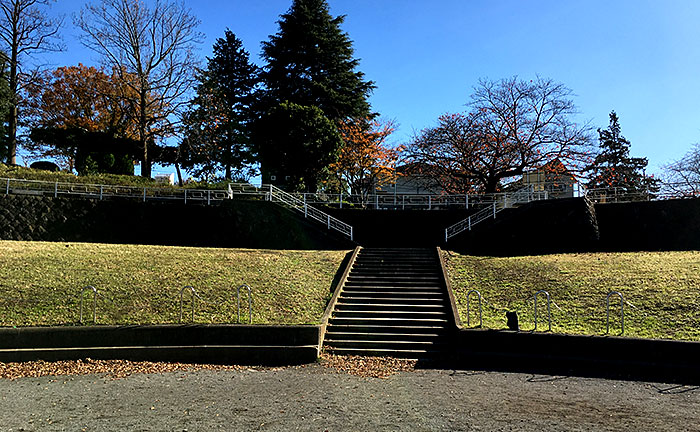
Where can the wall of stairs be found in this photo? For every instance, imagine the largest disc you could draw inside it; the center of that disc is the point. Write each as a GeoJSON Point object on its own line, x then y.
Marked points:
{"type": "Point", "coordinates": [394, 302]}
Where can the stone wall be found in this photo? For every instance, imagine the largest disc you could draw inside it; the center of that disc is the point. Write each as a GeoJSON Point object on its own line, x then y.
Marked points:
{"type": "Point", "coordinates": [235, 223]}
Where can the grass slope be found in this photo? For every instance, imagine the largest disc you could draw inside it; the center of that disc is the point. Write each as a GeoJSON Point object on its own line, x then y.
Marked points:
{"type": "Point", "coordinates": [40, 283]}
{"type": "Point", "coordinates": [662, 287]}
{"type": "Point", "coordinates": [17, 172]}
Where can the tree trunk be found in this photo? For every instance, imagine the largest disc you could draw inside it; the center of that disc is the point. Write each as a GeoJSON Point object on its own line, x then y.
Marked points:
{"type": "Point", "coordinates": [14, 84]}
{"type": "Point", "coordinates": [179, 174]}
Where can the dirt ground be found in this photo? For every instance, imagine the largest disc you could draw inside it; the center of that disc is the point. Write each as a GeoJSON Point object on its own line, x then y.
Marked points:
{"type": "Point", "coordinates": [314, 398]}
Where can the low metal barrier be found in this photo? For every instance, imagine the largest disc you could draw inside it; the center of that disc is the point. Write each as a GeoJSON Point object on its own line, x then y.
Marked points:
{"type": "Point", "coordinates": [622, 312]}
{"type": "Point", "coordinates": [250, 304]}
{"type": "Point", "coordinates": [468, 307]}
{"type": "Point", "coordinates": [549, 313]}
{"type": "Point", "coordinates": [94, 303]}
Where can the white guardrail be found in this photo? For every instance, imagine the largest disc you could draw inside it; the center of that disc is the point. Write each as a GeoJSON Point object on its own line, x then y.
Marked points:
{"type": "Point", "coordinates": [277, 195]}
{"type": "Point", "coordinates": [56, 189]}
{"type": "Point", "coordinates": [522, 196]}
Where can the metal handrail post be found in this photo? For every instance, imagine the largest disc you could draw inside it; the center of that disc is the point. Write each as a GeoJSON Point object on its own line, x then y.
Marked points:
{"type": "Point", "coordinates": [194, 295]}
{"type": "Point", "coordinates": [185, 196]}
{"type": "Point", "coordinates": [7, 187]}
{"type": "Point", "coordinates": [329, 221]}
{"type": "Point", "coordinates": [208, 197]}
{"type": "Point", "coordinates": [445, 235]}
{"type": "Point", "coordinates": [622, 312]}
{"type": "Point", "coordinates": [94, 303]}
{"type": "Point", "coordinates": [250, 304]}
{"type": "Point", "coordinates": [481, 323]}
{"type": "Point", "coordinates": [351, 234]}
{"type": "Point", "coordinates": [340, 200]}
{"type": "Point", "coordinates": [494, 209]}
{"type": "Point", "coordinates": [469, 221]}
{"type": "Point", "coordinates": [144, 194]}
{"type": "Point", "coordinates": [549, 313]}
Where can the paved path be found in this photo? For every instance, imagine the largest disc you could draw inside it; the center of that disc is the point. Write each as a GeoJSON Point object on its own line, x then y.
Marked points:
{"type": "Point", "coordinates": [317, 399]}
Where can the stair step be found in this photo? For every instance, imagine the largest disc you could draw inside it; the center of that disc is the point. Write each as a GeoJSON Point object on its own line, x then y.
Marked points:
{"type": "Point", "coordinates": [390, 307]}
{"type": "Point", "coordinates": [386, 344]}
{"type": "Point", "coordinates": [397, 300]}
{"type": "Point", "coordinates": [389, 287]}
{"type": "Point", "coordinates": [386, 328]}
{"type": "Point", "coordinates": [387, 321]}
{"type": "Point", "coordinates": [407, 354]}
{"type": "Point", "coordinates": [389, 314]}
{"type": "Point", "coordinates": [384, 293]}
{"type": "Point", "coordinates": [337, 335]}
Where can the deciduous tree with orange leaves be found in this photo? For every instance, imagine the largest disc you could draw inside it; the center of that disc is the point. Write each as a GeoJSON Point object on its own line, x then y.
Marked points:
{"type": "Point", "coordinates": [513, 125]}
{"type": "Point", "coordinates": [76, 100]}
{"type": "Point", "coordinates": [366, 159]}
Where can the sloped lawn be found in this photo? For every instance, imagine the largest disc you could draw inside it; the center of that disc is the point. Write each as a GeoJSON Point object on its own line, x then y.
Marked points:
{"type": "Point", "coordinates": [40, 283]}
{"type": "Point", "coordinates": [662, 290]}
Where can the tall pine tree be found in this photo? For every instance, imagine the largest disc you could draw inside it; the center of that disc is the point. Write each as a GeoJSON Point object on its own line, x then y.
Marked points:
{"type": "Point", "coordinates": [614, 169]}
{"type": "Point", "coordinates": [217, 135]}
{"type": "Point", "coordinates": [309, 63]}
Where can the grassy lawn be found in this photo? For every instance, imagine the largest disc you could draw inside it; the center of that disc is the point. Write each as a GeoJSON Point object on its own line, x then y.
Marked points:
{"type": "Point", "coordinates": [17, 172]}
{"type": "Point", "coordinates": [662, 288]}
{"type": "Point", "coordinates": [40, 283]}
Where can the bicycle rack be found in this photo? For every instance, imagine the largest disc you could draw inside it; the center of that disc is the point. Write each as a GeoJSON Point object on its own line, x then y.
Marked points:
{"type": "Point", "coordinates": [549, 313]}
{"type": "Point", "coordinates": [469, 294]}
{"type": "Point", "coordinates": [622, 312]}
{"type": "Point", "coordinates": [250, 303]}
{"type": "Point", "coordinates": [194, 299]}
{"type": "Point", "coordinates": [94, 303]}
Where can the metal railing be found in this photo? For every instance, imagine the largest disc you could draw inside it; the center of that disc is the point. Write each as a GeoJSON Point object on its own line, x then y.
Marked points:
{"type": "Point", "coordinates": [290, 201]}
{"type": "Point", "coordinates": [506, 200]}
{"type": "Point", "coordinates": [195, 296]}
{"type": "Point", "coordinates": [83, 190]}
{"type": "Point", "coordinates": [622, 312]}
{"type": "Point", "coordinates": [469, 294]}
{"type": "Point", "coordinates": [250, 304]}
{"type": "Point", "coordinates": [549, 311]}
{"type": "Point", "coordinates": [94, 303]}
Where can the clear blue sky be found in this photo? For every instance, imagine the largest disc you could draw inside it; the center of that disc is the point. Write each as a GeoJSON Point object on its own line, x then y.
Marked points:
{"type": "Point", "coordinates": [638, 57]}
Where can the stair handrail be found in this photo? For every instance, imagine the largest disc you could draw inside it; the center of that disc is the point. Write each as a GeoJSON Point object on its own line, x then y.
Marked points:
{"type": "Point", "coordinates": [521, 196]}
{"type": "Point", "coordinates": [276, 194]}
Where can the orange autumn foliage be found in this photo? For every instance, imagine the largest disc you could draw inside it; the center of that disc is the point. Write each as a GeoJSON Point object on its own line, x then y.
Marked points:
{"type": "Point", "coordinates": [82, 97]}
{"type": "Point", "coordinates": [366, 161]}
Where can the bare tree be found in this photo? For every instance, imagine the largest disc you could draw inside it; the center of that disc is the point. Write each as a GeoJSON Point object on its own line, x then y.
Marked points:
{"type": "Point", "coordinates": [682, 177]}
{"type": "Point", "coordinates": [25, 30]}
{"type": "Point", "coordinates": [513, 125]}
{"type": "Point", "coordinates": [152, 47]}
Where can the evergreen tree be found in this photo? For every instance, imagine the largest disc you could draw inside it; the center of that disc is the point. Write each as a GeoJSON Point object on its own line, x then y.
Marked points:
{"type": "Point", "coordinates": [217, 126]}
{"type": "Point", "coordinates": [311, 143]}
{"type": "Point", "coordinates": [310, 64]}
{"type": "Point", "coordinates": [614, 169]}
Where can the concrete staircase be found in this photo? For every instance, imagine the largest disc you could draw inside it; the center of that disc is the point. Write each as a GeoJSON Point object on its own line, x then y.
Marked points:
{"type": "Point", "coordinates": [394, 303]}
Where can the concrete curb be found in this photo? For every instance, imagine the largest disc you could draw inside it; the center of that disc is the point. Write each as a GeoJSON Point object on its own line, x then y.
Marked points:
{"type": "Point", "coordinates": [223, 344]}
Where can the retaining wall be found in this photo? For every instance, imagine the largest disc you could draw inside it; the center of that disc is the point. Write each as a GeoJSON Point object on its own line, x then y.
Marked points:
{"type": "Point", "coordinates": [231, 223]}
{"type": "Point", "coordinates": [559, 354]}
{"type": "Point", "coordinates": [221, 344]}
